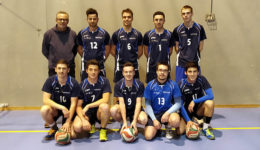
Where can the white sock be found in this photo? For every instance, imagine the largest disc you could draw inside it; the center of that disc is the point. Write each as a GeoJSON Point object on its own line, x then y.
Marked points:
{"type": "Point", "coordinates": [205, 126]}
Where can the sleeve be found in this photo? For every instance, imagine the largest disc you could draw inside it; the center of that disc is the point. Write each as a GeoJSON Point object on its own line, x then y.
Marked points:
{"type": "Point", "coordinates": [106, 87]}
{"type": "Point", "coordinates": [76, 90]}
{"type": "Point", "coordinates": [208, 96]}
{"type": "Point", "coordinates": [140, 90]}
{"type": "Point", "coordinates": [175, 36]}
{"type": "Point", "coordinates": [140, 39]}
{"type": "Point", "coordinates": [184, 112]}
{"type": "Point", "coordinates": [147, 92]}
{"type": "Point", "coordinates": [114, 38]}
{"type": "Point", "coordinates": [146, 39]}
{"type": "Point", "coordinates": [81, 93]}
{"type": "Point", "coordinates": [171, 42]}
{"type": "Point", "coordinates": [202, 33]}
{"type": "Point", "coordinates": [45, 45]}
{"type": "Point", "coordinates": [149, 109]}
{"type": "Point", "coordinates": [107, 38]}
{"type": "Point", "coordinates": [176, 90]}
{"type": "Point", "coordinates": [75, 50]}
{"type": "Point", "coordinates": [79, 40]}
{"type": "Point", "coordinates": [176, 106]}
{"type": "Point", "coordinates": [47, 86]}
{"type": "Point", "coordinates": [117, 91]}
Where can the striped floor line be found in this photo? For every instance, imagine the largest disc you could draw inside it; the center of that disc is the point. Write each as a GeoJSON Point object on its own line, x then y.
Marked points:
{"type": "Point", "coordinates": [37, 131]}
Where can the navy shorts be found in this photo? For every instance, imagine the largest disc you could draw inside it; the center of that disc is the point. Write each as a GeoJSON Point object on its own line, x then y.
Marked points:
{"type": "Point", "coordinates": [60, 114]}
{"type": "Point", "coordinates": [157, 116]}
{"type": "Point", "coordinates": [92, 115]}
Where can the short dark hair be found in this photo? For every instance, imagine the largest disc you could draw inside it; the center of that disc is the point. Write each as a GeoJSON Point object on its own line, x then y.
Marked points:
{"type": "Point", "coordinates": [187, 7]}
{"type": "Point", "coordinates": [127, 10]}
{"type": "Point", "coordinates": [91, 11]}
{"type": "Point", "coordinates": [62, 61]}
{"type": "Point", "coordinates": [165, 63]}
{"type": "Point", "coordinates": [191, 65]}
{"type": "Point", "coordinates": [158, 13]}
{"type": "Point", "coordinates": [92, 62]}
{"type": "Point", "coordinates": [128, 64]}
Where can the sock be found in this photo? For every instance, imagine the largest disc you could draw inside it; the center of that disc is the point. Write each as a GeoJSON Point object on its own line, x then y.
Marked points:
{"type": "Point", "coordinates": [53, 126]}
{"type": "Point", "coordinates": [205, 126]}
{"type": "Point", "coordinates": [207, 119]}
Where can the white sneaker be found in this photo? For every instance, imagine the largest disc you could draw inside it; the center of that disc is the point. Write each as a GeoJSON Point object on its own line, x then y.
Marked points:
{"type": "Point", "coordinates": [169, 132]}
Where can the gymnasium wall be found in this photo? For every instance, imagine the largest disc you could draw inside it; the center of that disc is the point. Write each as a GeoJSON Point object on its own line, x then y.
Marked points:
{"type": "Point", "coordinates": [229, 58]}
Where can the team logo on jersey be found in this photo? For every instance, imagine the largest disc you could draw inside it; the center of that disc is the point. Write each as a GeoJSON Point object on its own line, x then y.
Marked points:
{"type": "Point", "coordinates": [166, 92]}
{"type": "Point", "coordinates": [182, 32]}
{"type": "Point", "coordinates": [99, 37]}
{"type": "Point", "coordinates": [133, 92]}
{"type": "Point", "coordinates": [194, 34]}
{"type": "Point", "coordinates": [121, 36]}
{"type": "Point", "coordinates": [132, 38]}
{"type": "Point", "coordinates": [164, 40]}
{"type": "Point", "coordinates": [97, 89]}
{"type": "Point", "coordinates": [66, 92]}
{"type": "Point", "coordinates": [186, 90]}
{"type": "Point", "coordinates": [152, 38]}
{"type": "Point", "coordinates": [198, 88]}
{"type": "Point", "coordinates": [86, 37]}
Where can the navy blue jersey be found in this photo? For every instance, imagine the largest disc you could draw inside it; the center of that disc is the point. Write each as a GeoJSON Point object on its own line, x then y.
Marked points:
{"type": "Point", "coordinates": [129, 94]}
{"type": "Point", "coordinates": [161, 95]}
{"type": "Point", "coordinates": [193, 91]}
{"type": "Point", "coordinates": [158, 48]}
{"type": "Point", "coordinates": [126, 47]}
{"type": "Point", "coordinates": [61, 94]}
{"type": "Point", "coordinates": [93, 44]}
{"type": "Point", "coordinates": [189, 43]}
{"type": "Point", "coordinates": [93, 92]}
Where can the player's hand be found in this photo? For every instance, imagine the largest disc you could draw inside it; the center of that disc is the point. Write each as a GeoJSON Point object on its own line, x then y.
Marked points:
{"type": "Point", "coordinates": [65, 112]}
{"type": "Point", "coordinates": [86, 108]}
{"type": "Point", "coordinates": [191, 106]}
{"type": "Point", "coordinates": [157, 124]}
{"type": "Point", "coordinates": [123, 127]}
{"type": "Point", "coordinates": [66, 127]}
{"type": "Point", "coordinates": [189, 123]}
{"type": "Point", "coordinates": [133, 125]}
{"type": "Point", "coordinates": [165, 117]}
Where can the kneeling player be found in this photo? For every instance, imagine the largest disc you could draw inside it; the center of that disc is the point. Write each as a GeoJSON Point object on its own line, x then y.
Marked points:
{"type": "Point", "coordinates": [93, 102]}
{"type": "Point", "coordinates": [60, 95]}
{"type": "Point", "coordinates": [198, 99]}
{"type": "Point", "coordinates": [129, 91]}
{"type": "Point", "coordinates": [163, 100]}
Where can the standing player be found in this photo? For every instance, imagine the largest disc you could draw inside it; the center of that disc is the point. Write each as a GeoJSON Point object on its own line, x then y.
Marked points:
{"type": "Point", "coordinates": [130, 92]}
{"type": "Point", "coordinates": [198, 99]}
{"type": "Point", "coordinates": [93, 102]}
{"type": "Point", "coordinates": [157, 45]}
{"type": "Point", "coordinates": [189, 38]}
{"type": "Point", "coordinates": [93, 43]}
{"type": "Point", "coordinates": [59, 43]}
{"type": "Point", "coordinates": [126, 45]}
{"type": "Point", "coordinates": [163, 100]}
{"type": "Point", "coordinates": [60, 95]}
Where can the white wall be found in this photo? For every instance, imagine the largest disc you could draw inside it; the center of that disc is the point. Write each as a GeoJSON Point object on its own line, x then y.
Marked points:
{"type": "Point", "coordinates": [229, 58]}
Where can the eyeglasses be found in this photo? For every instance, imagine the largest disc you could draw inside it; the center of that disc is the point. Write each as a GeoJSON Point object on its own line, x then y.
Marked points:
{"type": "Point", "coordinates": [64, 20]}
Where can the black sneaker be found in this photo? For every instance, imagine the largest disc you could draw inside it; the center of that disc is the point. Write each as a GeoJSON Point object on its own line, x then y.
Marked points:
{"type": "Point", "coordinates": [51, 134]}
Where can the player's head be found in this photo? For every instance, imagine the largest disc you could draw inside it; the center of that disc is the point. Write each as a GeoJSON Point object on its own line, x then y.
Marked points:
{"type": "Point", "coordinates": [191, 71]}
{"type": "Point", "coordinates": [162, 71]}
{"type": "Point", "coordinates": [128, 71]}
{"type": "Point", "coordinates": [186, 13]}
{"type": "Point", "coordinates": [62, 20]}
{"type": "Point", "coordinates": [92, 17]}
{"type": "Point", "coordinates": [158, 19]}
{"type": "Point", "coordinates": [127, 17]}
{"type": "Point", "coordinates": [62, 68]}
{"type": "Point", "coordinates": [92, 69]}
